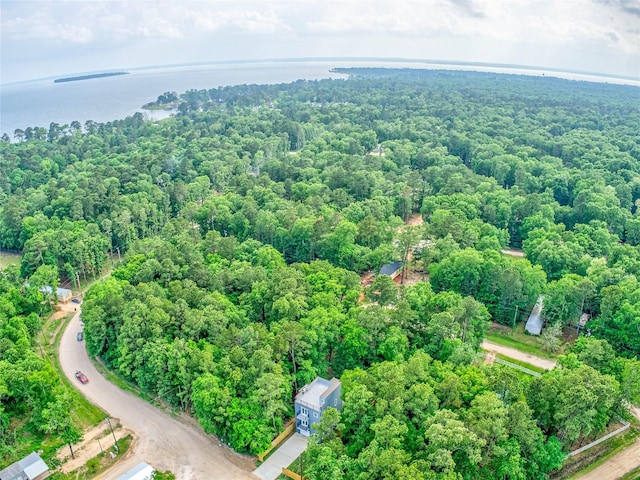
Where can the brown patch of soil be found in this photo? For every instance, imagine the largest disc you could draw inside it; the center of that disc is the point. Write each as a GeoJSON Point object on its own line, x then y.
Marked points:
{"type": "Point", "coordinates": [415, 220]}
{"type": "Point", "coordinates": [569, 335]}
{"type": "Point", "coordinates": [98, 439]}
{"type": "Point", "coordinates": [412, 277]}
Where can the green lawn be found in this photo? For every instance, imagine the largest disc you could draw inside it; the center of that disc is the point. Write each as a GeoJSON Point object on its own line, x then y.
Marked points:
{"type": "Point", "coordinates": [519, 340]}
{"type": "Point", "coordinates": [84, 413]}
{"type": "Point", "coordinates": [634, 475]}
{"type": "Point", "coordinates": [7, 259]}
{"type": "Point", "coordinates": [522, 364]}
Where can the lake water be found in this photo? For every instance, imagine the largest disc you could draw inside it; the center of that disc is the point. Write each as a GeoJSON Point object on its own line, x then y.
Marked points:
{"type": "Point", "coordinates": [38, 103]}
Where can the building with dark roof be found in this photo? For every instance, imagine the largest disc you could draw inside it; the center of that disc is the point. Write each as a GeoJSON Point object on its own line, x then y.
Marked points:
{"type": "Point", "coordinates": [391, 269]}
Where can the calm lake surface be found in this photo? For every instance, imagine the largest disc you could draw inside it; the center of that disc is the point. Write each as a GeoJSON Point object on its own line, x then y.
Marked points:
{"type": "Point", "coordinates": [38, 103]}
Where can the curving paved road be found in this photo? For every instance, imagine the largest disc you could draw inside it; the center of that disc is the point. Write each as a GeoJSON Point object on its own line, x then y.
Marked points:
{"type": "Point", "coordinates": [163, 442]}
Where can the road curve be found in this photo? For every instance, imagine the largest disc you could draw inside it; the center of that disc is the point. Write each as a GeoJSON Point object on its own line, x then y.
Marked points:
{"type": "Point", "coordinates": [163, 442]}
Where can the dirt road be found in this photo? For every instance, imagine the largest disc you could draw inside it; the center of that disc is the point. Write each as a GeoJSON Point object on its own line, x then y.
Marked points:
{"type": "Point", "coordinates": [99, 439]}
{"type": "Point", "coordinates": [613, 468]}
{"type": "Point", "coordinates": [163, 442]}
{"type": "Point", "coordinates": [616, 466]}
{"type": "Point", "coordinates": [518, 355]}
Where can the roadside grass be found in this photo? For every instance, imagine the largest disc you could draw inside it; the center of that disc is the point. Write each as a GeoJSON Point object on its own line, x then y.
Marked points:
{"type": "Point", "coordinates": [522, 364]}
{"type": "Point", "coordinates": [633, 475]}
{"type": "Point", "coordinates": [119, 381]}
{"type": "Point", "coordinates": [130, 387]}
{"type": "Point", "coordinates": [576, 467]}
{"type": "Point", "coordinates": [519, 340]}
{"type": "Point", "coordinates": [97, 464]}
{"type": "Point", "coordinates": [85, 412]}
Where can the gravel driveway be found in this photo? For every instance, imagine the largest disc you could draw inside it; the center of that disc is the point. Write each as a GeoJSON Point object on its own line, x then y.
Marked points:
{"type": "Point", "coordinates": [163, 442]}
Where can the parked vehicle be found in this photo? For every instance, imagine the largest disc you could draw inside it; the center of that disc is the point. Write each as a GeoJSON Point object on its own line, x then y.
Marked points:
{"type": "Point", "coordinates": [82, 377]}
{"type": "Point", "coordinates": [80, 336]}
{"type": "Point", "coordinates": [76, 300]}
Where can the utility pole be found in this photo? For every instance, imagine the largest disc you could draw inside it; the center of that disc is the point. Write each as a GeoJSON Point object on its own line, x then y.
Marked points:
{"type": "Point", "coordinates": [115, 442]}
{"type": "Point", "coordinates": [514, 318]}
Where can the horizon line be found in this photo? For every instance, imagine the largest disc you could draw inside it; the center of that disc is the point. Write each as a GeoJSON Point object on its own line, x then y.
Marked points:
{"type": "Point", "coordinates": [426, 61]}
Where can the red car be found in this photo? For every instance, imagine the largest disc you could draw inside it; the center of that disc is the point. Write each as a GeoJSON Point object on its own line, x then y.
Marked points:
{"type": "Point", "coordinates": [82, 377]}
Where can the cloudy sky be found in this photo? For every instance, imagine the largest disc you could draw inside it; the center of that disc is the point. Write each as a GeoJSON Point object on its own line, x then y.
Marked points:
{"type": "Point", "coordinates": [41, 38]}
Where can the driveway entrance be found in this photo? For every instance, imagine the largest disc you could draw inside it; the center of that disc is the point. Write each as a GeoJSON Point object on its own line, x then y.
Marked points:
{"type": "Point", "coordinates": [282, 457]}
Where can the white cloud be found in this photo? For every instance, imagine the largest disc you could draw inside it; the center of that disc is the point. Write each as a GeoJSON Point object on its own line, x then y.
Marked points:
{"type": "Point", "coordinates": [577, 34]}
{"type": "Point", "coordinates": [210, 19]}
{"type": "Point", "coordinates": [40, 26]}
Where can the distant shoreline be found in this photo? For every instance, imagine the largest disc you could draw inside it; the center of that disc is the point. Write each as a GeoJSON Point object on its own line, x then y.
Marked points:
{"type": "Point", "coordinates": [89, 77]}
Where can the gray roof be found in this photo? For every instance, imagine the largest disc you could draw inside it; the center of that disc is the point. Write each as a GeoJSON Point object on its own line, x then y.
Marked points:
{"type": "Point", "coordinates": [142, 471]}
{"type": "Point", "coordinates": [535, 321]}
{"type": "Point", "coordinates": [61, 292]}
{"type": "Point", "coordinates": [28, 468]}
{"type": "Point", "coordinates": [320, 388]}
{"type": "Point", "coordinates": [390, 268]}
{"type": "Point", "coordinates": [310, 394]}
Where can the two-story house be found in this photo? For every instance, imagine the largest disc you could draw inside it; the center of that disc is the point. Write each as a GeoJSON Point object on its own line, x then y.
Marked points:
{"type": "Point", "coordinates": [313, 399]}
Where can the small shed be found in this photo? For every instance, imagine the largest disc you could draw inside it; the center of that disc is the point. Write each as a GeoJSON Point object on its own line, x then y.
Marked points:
{"type": "Point", "coordinates": [584, 318]}
{"type": "Point", "coordinates": [392, 269]}
{"type": "Point", "coordinates": [142, 471]}
{"type": "Point", "coordinates": [534, 322]}
{"type": "Point", "coordinates": [31, 467]}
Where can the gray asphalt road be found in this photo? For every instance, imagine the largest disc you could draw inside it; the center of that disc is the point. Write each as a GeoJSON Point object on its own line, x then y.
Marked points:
{"type": "Point", "coordinates": [163, 442]}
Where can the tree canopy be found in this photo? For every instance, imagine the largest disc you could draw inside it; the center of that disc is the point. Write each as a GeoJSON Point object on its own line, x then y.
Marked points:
{"type": "Point", "coordinates": [245, 220]}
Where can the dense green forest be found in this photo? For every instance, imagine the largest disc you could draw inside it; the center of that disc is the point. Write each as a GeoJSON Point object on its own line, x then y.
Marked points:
{"type": "Point", "coordinates": [36, 407]}
{"type": "Point", "coordinates": [245, 221]}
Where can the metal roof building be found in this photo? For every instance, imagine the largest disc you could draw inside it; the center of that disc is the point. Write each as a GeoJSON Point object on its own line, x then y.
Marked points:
{"type": "Point", "coordinates": [142, 471]}
{"type": "Point", "coordinates": [535, 321]}
{"type": "Point", "coordinates": [391, 269]}
{"type": "Point", "coordinates": [31, 467]}
{"type": "Point", "coordinates": [63, 294]}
